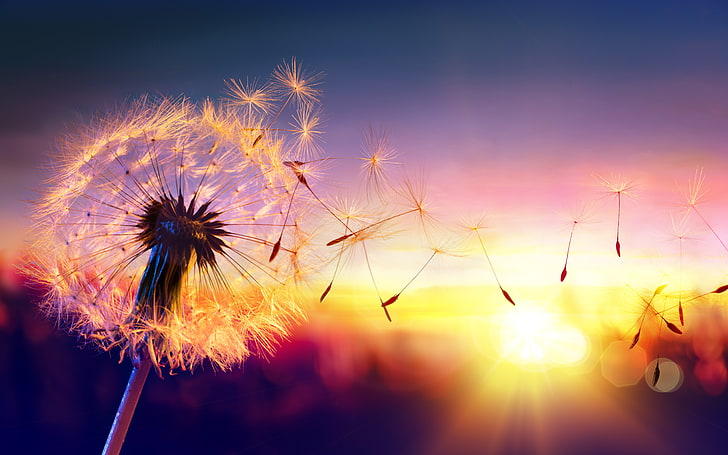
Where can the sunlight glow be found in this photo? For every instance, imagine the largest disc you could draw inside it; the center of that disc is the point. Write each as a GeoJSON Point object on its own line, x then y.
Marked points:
{"type": "Point", "coordinates": [532, 337]}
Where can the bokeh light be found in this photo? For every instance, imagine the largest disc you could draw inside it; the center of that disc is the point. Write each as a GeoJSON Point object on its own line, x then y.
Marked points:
{"type": "Point", "coordinates": [669, 379]}
{"type": "Point", "coordinates": [623, 366]}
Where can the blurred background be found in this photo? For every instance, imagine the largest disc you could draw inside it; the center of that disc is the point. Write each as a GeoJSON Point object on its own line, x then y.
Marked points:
{"type": "Point", "coordinates": [514, 110]}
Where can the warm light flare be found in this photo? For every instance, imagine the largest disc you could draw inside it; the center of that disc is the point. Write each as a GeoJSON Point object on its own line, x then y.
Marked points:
{"type": "Point", "coordinates": [532, 337]}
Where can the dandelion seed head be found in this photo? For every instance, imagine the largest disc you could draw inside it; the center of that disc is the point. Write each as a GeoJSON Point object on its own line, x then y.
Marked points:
{"type": "Point", "coordinates": [154, 230]}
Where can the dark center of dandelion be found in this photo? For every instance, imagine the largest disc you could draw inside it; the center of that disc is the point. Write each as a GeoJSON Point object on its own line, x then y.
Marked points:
{"type": "Point", "coordinates": [177, 236]}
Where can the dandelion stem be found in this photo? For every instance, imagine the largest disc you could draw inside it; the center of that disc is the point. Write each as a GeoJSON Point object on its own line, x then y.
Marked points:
{"type": "Point", "coordinates": [127, 406]}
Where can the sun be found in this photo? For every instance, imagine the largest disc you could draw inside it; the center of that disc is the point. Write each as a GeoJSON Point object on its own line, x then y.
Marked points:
{"type": "Point", "coordinates": [531, 337]}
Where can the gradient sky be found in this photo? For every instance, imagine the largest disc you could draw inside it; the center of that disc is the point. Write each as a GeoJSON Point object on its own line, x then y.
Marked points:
{"type": "Point", "coordinates": [512, 108]}
{"type": "Point", "coordinates": [514, 101]}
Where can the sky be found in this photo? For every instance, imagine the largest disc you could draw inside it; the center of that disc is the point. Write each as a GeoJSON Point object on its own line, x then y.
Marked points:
{"type": "Point", "coordinates": [515, 111]}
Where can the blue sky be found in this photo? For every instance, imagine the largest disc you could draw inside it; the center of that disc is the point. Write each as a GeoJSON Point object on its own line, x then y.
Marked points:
{"type": "Point", "coordinates": [500, 85]}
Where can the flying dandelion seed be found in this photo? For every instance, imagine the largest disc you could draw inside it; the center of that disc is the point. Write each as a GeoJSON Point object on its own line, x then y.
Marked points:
{"type": "Point", "coordinates": [695, 196]}
{"type": "Point", "coordinates": [679, 230]}
{"type": "Point", "coordinates": [618, 187]}
{"type": "Point", "coordinates": [153, 232]}
{"type": "Point", "coordinates": [656, 374]}
{"type": "Point", "coordinates": [476, 228]}
{"type": "Point", "coordinates": [719, 290]}
{"type": "Point", "coordinates": [413, 193]}
{"type": "Point", "coordinates": [378, 159]}
{"type": "Point", "coordinates": [298, 88]}
{"type": "Point", "coordinates": [395, 297]}
{"type": "Point", "coordinates": [568, 250]}
{"type": "Point", "coordinates": [649, 309]}
{"type": "Point", "coordinates": [349, 212]}
{"type": "Point", "coordinates": [582, 216]}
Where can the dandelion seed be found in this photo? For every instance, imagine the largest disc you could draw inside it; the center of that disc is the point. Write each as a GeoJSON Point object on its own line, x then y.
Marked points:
{"type": "Point", "coordinates": [296, 83]}
{"type": "Point", "coordinates": [681, 313]}
{"type": "Point", "coordinates": [694, 196]}
{"type": "Point", "coordinates": [568, 249]}
{"type": "Point", "coordinates": [678, 229]}
{"type": "Point", "coordinates": [253, 96]}
{"type": "Point", "coordinates": [348, 212]}
{"type": "Point", "coordinates": [379, 156]}
{"type": "Point", "coordinates": [636, 338]}
{"type": "Point", "coordinates": [649, 308]}
{"type": "Point", "coordinates": [718, 290]}
{"type": "Point", "coordinates": [618, 187]}
{"type": "Point", "coordinates": [395, 297]}
{"type": "Point", "coordinates": [300, 170]}
{"type": "Point", "coordinates": [414, 194]}
{"type": "Point", "coordinates": [306, 122]}
{"type": "Point", "coordinates": [673, 327]}
{"type": "Point", "coordinates": [476, 227]}
{"type": "Point", "coordinates": [327, 290]}
{"type": "Point", "coordinates": [656, 373]}
{"type": "Point", "coordinates": [581, 216]}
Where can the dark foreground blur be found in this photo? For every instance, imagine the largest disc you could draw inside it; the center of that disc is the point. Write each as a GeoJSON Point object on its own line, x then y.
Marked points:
{"type": "Point", "coordinates": [58, 398]}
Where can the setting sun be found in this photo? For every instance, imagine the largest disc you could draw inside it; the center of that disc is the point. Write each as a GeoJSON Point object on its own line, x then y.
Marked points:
{"type": "Point", "coordinates": [531, 337]}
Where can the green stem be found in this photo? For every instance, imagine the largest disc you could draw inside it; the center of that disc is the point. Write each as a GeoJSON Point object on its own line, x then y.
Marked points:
{"type": "Point", "coordinates": [126, 407]}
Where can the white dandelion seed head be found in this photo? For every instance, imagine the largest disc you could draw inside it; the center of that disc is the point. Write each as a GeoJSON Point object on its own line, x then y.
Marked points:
{"type": "Point", "coordinates": [155, 230]}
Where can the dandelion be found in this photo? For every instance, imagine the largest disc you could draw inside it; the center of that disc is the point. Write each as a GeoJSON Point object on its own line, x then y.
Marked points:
{"type": "Point", "coordinates": [581, 217]}
{"type": "Point", "coordinates": [695, 196]}
{"type": "Point", "coordinates": [154, 230]}
{"type": "Point", "coordinates": [618, 187]}
{"type": "Point", "coordinates": [476, 227]}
